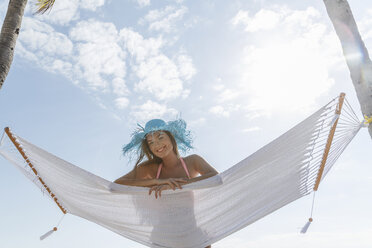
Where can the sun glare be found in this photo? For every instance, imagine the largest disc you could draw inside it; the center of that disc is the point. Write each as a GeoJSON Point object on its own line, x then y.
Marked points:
{"type": "Point", "coordinates": [285, 77]}
{"type": "Point", "coordinates": [288, 69]}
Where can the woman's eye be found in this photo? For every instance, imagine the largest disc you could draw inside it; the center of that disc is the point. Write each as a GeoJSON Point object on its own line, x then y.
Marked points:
{"type": "Point", "coordinates": [160, 137]}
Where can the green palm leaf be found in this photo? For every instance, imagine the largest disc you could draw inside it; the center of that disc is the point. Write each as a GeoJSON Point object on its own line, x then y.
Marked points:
{"type": "Point", "coordinates": [43, 6]}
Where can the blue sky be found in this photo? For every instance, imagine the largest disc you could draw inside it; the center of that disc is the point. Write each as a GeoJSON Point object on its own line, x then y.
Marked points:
{"type": "Point", "coordinates": [240, 73]}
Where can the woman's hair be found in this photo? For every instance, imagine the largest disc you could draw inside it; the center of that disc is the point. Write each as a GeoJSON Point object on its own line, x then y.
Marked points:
{"type": "Point", "coordinates": [151, 158]}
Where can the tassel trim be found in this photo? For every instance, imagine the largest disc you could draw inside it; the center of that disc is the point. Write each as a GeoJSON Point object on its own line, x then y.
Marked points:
{"type": "Point", "coordinates": [48, 233]}
{"type": "Point", "coordinates": [306, 226]}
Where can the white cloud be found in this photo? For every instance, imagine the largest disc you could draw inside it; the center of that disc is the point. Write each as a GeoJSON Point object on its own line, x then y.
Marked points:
{"type": "Point", "coordinates": [150, 110]}
{"type": "Point", "coordinates": [23, 52]}
{"type": "Point", "coordinates": [143, 3]}
{"type": "Point", "coordinates": [41, 44]}
{"type": "Point", "coordinates": [121, 102]}
{"type": "Point", "coordinates": [164, 19]}
{"type": "Point", "coordinates": [119, 87]}
{"type": "Point", "coordinates": [60, 66]}
{"type": "Point", "coordinates": [289, 70]}
{"type": "Point", "coordinates": [224, 110]}
{"type": "Point", "coordinates": [158, 75]}
{"type": "Point", "coordinates": [276, 81]}
{"type": "Point", "coordinates": [218, 86]}
{"type": "Point", "coordinates": [185, 66]}
{"type": "Point", "coordinates": [227, 95]}
{"type": "Point", "coordinates": [262, 20]}
{"type": "Point", "coordinates": [219, 111]}
{"type": "Point", "coordinates": [95, 62]}
{"type": "Point", "coordinates": [301, 18]}
{"type": "Point", "coordinates": [268, 19]}
{"type": "Point", "coordinates": [185, 93]}
{"type": "Point", "coordinates": [139, 47]}
{"type": "Point", "coordinates": [99, 57]}
{"type": "Point", "coordinates": [94, 31]}
{"type": "Point", "coordinates": [251, 129]}
{"type": "Point", "coordinates": [94, 55]}
{"type": "Point", "coordinates": [43, 39]}
{"type": "Point", "coordinates": [63, 12]}
{"type": "Point", "coordinates": [197, 122]}
{"type": "Point", "coordinates": [91, 4]}
{"type": "Point", "coordinates": [253, 112]}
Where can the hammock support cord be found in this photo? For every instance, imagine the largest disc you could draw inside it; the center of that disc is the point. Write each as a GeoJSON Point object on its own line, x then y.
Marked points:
{"type": "Point", "coordinates": [202, 212]}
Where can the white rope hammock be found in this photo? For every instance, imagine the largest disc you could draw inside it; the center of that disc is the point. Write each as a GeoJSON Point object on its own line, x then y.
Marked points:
{"type": "Point", "coordinates": [205, 211]}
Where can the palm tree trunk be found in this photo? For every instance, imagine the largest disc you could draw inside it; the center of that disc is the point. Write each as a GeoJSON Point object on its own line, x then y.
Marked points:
{"type": "Point", "coordinates": [355, 52]}
{"type": "Point", "coordinates": [9, 35]}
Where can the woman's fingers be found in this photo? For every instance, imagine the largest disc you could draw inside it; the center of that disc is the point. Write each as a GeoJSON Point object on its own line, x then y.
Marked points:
{"type": "Point", "coordinates": [182, 180]}
{"type": "Point", "coordinates": [176, 183]}
{"type": "Point", "coordinates": [152, 189]}
{"type": "Point", "coordinates": [157, 191]}
{"type": "Point", "coordinates": [170, 183]}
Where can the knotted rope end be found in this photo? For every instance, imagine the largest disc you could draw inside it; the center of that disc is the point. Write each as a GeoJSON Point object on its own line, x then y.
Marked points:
{"type": "Point", "coordinates": [306, 226]}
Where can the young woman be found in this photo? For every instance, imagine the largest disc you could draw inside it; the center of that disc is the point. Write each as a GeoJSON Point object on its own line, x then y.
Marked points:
{"type": "Point", "coordinates": [164, 169]}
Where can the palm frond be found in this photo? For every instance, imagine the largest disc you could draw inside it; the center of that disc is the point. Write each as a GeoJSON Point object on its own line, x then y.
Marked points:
{"type": "Point", "coordinates": [43, 6]}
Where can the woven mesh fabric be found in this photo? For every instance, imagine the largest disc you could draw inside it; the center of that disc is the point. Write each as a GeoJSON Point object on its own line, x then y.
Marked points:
{"type": "Point", "coordinates": [205, 211]}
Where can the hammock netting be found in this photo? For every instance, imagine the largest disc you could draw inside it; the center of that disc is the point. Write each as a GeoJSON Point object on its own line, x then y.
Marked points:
{"type": "Point", "coordinates": [202, 212]}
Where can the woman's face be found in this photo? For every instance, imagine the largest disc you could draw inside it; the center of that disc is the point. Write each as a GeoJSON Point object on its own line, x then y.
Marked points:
{"type": "Point", "coordinates": [159, 143]}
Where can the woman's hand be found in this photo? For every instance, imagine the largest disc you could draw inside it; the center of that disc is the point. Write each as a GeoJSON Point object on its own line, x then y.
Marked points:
{"type": "Point", "coordinates": [166, 184]}
{"type": "Point", "coordinates": [173, 183]}
{"type": "Point", "coordinates": [158, 189]}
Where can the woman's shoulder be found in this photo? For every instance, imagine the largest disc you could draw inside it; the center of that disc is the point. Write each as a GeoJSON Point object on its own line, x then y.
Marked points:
{"type": "Point", "coordinates": [200, 165]}
{"type": "Point", "coordinates": [147, 169]}
{"type": "Point", "coordinates": [149, 164]}
{"type": "Point", "coordinates": [193, 159]}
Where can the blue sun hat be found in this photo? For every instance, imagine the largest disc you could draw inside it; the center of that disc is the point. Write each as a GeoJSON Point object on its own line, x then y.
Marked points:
{"type": "Point", "coordinates": [176, 127]}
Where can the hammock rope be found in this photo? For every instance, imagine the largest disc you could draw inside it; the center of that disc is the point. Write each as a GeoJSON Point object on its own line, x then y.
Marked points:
{"type": "Point", "coordinates": [20, 149]}
{"type": "Point", "coordinates": [286, 169]}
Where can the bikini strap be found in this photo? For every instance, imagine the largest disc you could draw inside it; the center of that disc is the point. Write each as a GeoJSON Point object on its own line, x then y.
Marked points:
{"type": "Point", "coordinates": [185, 167]}
{"type": "Point", "coordinates": [159, 170]}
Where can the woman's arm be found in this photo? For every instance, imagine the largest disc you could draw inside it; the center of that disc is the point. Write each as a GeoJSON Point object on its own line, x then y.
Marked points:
{"type": "Point", "coordinates": [135, 182]}
{"type": "Point", "coordinates": [142, 178]}
{"type": "Point", "coordinates": [130, 179]}
{"type": "Point", "coordinates": [202, 167]}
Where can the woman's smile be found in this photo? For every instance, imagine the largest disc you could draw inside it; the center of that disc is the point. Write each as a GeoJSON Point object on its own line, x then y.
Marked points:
{"type": "Point", "coordinates": [161, 149]}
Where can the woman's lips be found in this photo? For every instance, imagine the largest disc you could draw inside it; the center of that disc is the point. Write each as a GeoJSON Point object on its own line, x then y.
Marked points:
{"type": "Point", "coordinates": [161, 149]}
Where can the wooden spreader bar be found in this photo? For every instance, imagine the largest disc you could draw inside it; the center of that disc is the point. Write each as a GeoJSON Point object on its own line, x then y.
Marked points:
{"type": "Point", "coordinates": [329, 141]}
{"type": "Point", "coordinates": [17, 145]}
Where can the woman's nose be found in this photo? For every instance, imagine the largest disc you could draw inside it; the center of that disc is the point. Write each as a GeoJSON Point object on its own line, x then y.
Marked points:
{"type": "Point", "coordinates": [157, 143]}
